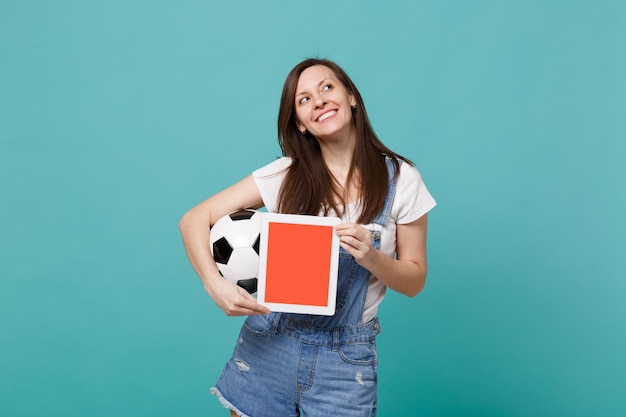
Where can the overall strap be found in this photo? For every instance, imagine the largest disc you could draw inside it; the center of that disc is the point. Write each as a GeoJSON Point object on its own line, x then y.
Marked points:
{"type": "Point", "coordinates": [381, 220]}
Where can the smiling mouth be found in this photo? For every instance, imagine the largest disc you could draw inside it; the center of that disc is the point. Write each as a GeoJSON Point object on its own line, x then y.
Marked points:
{"type": "Point", "coordinates": [327, 115]}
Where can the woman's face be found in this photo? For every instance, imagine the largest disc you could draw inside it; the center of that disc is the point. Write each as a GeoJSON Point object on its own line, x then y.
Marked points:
{"type": "Point", "coordinates": [323, 105]}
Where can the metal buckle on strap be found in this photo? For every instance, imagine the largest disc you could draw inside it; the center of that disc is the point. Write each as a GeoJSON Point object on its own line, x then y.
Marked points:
{"type": "Point", "coordinates": [375, 231]}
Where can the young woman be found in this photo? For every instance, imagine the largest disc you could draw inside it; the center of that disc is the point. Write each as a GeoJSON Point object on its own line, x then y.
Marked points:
{"type": "Point", "coordinates": [333, 164]}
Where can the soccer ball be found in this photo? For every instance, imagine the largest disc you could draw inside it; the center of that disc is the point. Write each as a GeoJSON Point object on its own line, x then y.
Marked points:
{"type": "Point", "coordinates": [234, 241]}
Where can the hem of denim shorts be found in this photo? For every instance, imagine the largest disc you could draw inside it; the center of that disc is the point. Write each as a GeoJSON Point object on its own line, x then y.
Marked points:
{"type": "Point", "coordinates": [226, 403]}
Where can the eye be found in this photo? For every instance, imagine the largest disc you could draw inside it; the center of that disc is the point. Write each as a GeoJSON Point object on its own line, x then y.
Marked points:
{"type": "Point", "coordinates": [303, 100]}
{"type": "Point", "coordinates": [327, 87]}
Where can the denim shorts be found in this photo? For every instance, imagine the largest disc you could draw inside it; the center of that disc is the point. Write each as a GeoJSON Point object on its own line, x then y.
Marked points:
{"type": "Point", "coordinates": [282, 367]}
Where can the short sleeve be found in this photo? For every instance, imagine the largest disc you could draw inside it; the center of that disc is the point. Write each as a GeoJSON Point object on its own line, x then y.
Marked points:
{"type": "Point", "coordinates": [268, 180]}
{"type": "Point", "coordinates": [412, 199]}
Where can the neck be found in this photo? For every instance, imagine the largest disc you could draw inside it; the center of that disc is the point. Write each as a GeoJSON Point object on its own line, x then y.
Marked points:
{"type": "Point", "coordinates": [338, 156]}
{"type": "Point", "coordinates": [337, 152]}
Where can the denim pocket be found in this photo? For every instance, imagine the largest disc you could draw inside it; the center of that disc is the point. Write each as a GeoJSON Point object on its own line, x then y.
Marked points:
{"type": "Point", "coordinates": [257, 325]}
{"type": "Point", "coordinates": [359, 353]}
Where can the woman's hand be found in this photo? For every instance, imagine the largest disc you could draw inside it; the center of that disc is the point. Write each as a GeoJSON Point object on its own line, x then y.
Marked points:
{"type": "Point", "coordinates": [357, 240]}
{"type": "Point", "coordinates": [234, 300]}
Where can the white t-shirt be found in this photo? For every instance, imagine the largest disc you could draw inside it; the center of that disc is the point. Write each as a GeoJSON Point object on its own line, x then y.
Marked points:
{"type": "Point", "coordinates": [412, 200]}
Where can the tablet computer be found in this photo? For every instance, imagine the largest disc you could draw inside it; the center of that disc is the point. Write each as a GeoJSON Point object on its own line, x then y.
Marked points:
{"type": "Point", "coordinates": [299, 257]}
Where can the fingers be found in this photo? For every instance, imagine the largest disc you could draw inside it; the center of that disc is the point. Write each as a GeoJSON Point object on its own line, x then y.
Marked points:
{"type": "Point", "coordinates": [244, 305]}
{"type": "Point", "coordinates": [350, 242]}
{"type": "Point", "coordinates": [355, 239]}
{"type": "Point", "coordinates": [353, 234]}
{"type": "Point", "coordinates": [345, 227]}
{"type": "Point", "coordinates": [235, 301]}
{"type": "Point", "coordinates": [250, 304]}
{"type": "Point", "coordinates": [351, 229]}
{"type": "Point", "coordinates": [246, 309]}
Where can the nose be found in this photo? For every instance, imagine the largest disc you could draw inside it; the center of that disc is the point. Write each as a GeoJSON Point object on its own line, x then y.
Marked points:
{"type": "Point", "coordinates": [319, 101]}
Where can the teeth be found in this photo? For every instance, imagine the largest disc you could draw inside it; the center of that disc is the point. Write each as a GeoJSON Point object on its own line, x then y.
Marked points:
{"type": "Point", "coordinates": [327, 115]}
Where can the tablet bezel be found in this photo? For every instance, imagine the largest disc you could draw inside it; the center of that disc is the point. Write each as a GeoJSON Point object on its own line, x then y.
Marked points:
{"type": "Point", "coordinates": [266, 221]}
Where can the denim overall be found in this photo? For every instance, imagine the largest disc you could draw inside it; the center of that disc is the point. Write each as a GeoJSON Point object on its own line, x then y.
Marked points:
{"type": "Point", "coordinates": [308, 365]}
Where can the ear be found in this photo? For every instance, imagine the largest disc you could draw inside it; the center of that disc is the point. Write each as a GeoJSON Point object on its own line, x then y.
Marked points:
{"type": "Point", "coordinates": [352, 101]}
{"type": "Point", "coordinates": [300, 126]}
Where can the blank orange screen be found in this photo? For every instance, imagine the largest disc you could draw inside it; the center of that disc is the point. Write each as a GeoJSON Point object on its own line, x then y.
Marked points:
{"type": "Point", "coordinates": [298, 264]}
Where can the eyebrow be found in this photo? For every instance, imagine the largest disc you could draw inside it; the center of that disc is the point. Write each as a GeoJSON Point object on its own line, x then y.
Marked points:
{"type": "Point", "coordinates": [318, 84]}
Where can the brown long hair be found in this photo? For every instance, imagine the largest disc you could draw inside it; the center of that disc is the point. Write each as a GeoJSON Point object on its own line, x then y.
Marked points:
{"type": "Point", "coordinates": [309, 187]}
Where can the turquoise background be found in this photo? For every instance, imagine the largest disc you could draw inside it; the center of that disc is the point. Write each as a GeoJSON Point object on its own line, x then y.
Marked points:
{"type": "Point", "coordinates": [118, 116]}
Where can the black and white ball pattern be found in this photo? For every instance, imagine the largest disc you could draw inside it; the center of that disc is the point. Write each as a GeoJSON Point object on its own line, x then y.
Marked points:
{"type": "Point", "coordinates": [234, 241]}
